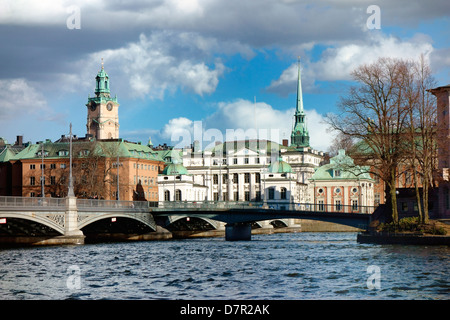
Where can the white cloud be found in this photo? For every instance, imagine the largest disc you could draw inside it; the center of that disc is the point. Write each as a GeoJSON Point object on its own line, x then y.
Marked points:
{"type": "Point", "coordinates": [18, 97]}
{"type": "Point", "coordinates": [24, 110]}
{"type": "Point", "coordinates": [243, 119]}
{"type": "Point", "coordinates": [151, 67]}
{"type": "Point", "coordinates": [337, 63]}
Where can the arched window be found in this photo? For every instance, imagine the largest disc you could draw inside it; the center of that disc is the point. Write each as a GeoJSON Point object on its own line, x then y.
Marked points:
{"type": "Point", "coordinates": [178, 195]}
{"type": "Point", "coordinates": [283, 193]}
{"type": "Point", "coordinates": [167, 195]}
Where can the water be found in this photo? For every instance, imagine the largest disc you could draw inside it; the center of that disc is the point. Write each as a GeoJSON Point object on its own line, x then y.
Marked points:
{"type": "Point", "coordinates": [280, 266]}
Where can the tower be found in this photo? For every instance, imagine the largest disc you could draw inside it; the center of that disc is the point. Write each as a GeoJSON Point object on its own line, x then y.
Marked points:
{"type": "Point", "coordinates": [102, 110]}
{"type": "Point", "coordinates": [300, 134]}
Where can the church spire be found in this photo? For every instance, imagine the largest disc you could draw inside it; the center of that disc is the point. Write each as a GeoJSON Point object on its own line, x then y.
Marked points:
{"type": "Point", "coordinates": [299, 107]}
{"type": "Point", "coordinates": [300, 134]}
{"type": "Point", "coordinates": [102, 83]}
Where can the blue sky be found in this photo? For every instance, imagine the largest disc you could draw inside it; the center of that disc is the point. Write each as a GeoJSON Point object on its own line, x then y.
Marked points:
{"type": "Point", "coordinates": [176, 63]}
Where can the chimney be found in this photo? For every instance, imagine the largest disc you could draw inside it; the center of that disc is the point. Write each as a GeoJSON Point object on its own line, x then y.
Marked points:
{"type": "Point", "coordinates": [285, 142]}
{"type": "Point", "coordinates": [19, 140]}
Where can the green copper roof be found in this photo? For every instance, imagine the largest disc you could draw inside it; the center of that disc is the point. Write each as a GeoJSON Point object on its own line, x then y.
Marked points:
{"type": "Point", "coordinates": [174, 169]}
{"type": "Point", "coordinates": [279, 166]}
{"type": "Point", "coordinates": [6, 155]}
{"type": "Point", "coordinates": [300, 134]}
{"type": "Point", "coordinates": [341, 167]}
{"type": "Point", "coordinates": [109, 148]}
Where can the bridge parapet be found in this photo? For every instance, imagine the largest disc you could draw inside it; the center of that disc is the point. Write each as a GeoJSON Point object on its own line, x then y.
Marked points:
{"type": "Point", "coordinates": [272, 205]}
{"type": "Point", "coordinates": [23, 202]}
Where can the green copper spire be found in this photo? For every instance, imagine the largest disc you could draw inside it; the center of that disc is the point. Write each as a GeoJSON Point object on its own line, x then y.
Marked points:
{"type": "Point", "coordinates": [102, 83]}
{"type": "Point", "coordinates": [300, 134]}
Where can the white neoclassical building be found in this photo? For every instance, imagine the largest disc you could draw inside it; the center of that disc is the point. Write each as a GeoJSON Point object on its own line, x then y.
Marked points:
{"type": "Point", "coordinates": [250, 170]}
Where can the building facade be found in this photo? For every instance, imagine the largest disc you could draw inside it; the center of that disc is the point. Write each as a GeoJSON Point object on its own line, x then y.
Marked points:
{"type": "Point", "coordinates": [443, 126]}
{"type": "Point", "coordinates": [341, 186]}
{"type": "Point", "coordinates": [108, 169]}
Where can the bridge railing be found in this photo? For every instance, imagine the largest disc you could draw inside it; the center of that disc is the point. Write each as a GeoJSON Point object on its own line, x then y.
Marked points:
{"type": "Point", "coordinates": [274, 205]}
{"type": "Point", "coordinates": [24, 202]}
{"type": "Point", "coordinates": [118, 204]}
{"type": "Point", "coordinates": [31, 202]}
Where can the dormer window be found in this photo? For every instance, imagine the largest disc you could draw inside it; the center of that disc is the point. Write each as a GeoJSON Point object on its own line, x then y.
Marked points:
{"type": "Point", "coordinates": [337, 173]}
{"type": "Point", "coordinates": [62, 153]}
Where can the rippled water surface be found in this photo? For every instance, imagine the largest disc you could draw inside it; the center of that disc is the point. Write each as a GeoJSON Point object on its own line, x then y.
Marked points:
{"type": "Point", "coordinates": [278, 266]}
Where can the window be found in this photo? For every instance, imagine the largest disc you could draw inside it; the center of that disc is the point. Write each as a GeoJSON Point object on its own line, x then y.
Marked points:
{"type": "Point", "coordinates": [32, 181]}
{"type": "Point", "coordinates": [224, 161]}
{"type": "Point", "coordinates": [53, 166]}
{"type": "Point", "coordinates": [167, 195]}
{"type": "Point", "coordinates": [178, 195]}
{"type": "Point", "coordinates": [247, 178]}
{"type": "Point", "coordinates": [246, 160]}
{"type": "Point", "coordinates": [215, 162]}
{"type": "Point", "coordinates": [32, 166]}
{"type": "Point", "coordinates": [271, 193]}
{"type": "Point", "coordinates": [53, 180]}
{"type": "Point", "coordinates": [354, 205]}
{"type": "Point", "coordinates": [216, 196]}
{"type": "Point", "coordinates": [258, 196]}
{"type": "Point", "coordinates": [337, 173]}
{"type": "Point", "coordinates": [235, 178]}
{"type": "Point", "coordinates": [247, 195]}
{"type": "Point", "coordinates": [257, 177]}
{"type": "Point", "coordinates": [225, 178]}
{"type": "Point", "coordinates": [321, 205]}
{"type": "Point", "coordinates": [235, 161]}
{"type": "Point", "coordinates": [63, 153]}
{"type": "Point", "coordinates": [42, 166]}
{"type": "Point", "coordinates": [337, 205]}
{"type": "Point", "coordinates": [257, 160]}
{"type": "Point", "coordinates": [404, 206]}
{"type": "Point", "coordinates": [215, 179]}
{"type": "Point", "coordinates": [236, 196]}
{"type": "Point", "coordinates": [376, 199]}
{"type": "Point", "coordinates": [283, 193]}
{"type": "Point", "coordinates": [63, 165]}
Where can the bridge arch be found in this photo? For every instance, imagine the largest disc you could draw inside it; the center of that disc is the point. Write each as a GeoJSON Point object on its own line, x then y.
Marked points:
{"type": "Point", "coordinates": [51, 220]}
{"type": "Point", "coordinates": [86, 219]}
{"type": "Point", "coordinates": [206, 223]}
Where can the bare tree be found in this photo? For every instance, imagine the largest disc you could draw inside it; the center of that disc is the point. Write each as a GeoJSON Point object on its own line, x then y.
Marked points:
{"type": "Point", "coordinates": [374, 115]}
{"type": "Point", "coordinates": [94, 173]}
{"type": "Point", "coordinates": [423, 133]}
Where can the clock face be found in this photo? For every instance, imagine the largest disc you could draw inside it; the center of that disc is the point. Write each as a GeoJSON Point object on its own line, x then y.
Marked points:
{"type": "Point", "coordinates": [109, 106]}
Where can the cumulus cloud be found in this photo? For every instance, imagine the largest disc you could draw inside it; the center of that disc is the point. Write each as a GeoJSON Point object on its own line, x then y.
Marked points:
{"type": "Point", "coordinates": [337, 62]}
{"type": "Point", "coordinates": [18, 97]}
{"type": "Point", "coordinates": [151, 67]}
{"type": "Point", "coordinates": [243, 119]}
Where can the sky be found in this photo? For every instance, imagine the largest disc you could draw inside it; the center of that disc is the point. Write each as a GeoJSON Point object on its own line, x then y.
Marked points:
{"type": "Point", "coordinates": [207, 70]}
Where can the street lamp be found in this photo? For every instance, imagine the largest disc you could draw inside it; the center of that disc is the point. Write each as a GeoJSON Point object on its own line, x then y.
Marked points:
{"type": "Point", "coordinates": [70, 193]}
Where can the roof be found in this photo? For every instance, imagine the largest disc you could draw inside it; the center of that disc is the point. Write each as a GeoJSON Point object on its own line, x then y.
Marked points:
{"type": "Point", "coordinates": [346, 169]}
{"type": "Point", "coordinates": [279, 166]}
{"type": "Point", "coordinates": [174, 169]}
{"type": "Point", "coordinates": [102, 148]}
{"type": "Point", "coordinates": [255, 145]}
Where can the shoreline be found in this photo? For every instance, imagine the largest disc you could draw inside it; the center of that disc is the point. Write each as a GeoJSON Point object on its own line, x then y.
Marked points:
{"type": "Point", "coordinates": [402, 238]}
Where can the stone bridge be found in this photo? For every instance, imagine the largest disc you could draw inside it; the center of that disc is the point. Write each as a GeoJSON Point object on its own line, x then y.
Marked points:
{"type": "Point", "coordinates": [61, 220]}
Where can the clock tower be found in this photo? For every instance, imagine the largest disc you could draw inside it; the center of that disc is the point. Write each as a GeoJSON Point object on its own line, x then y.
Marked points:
{"type": "Point", "coordinates": [102, 110]}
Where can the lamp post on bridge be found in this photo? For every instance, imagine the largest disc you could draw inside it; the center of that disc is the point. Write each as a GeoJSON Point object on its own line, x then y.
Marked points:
{"type": "Point", "coordinates": [71, 229]}
{"type": "Point", "coordinates": [70, 192]}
